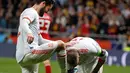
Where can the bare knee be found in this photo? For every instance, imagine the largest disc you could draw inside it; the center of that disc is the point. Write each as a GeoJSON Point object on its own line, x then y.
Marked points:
{"type": "Point", "coordinates": [46, 62]}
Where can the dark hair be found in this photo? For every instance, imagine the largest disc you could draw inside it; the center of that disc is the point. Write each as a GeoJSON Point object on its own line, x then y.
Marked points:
{"type": "Point", "coordinates": [48, 2]}
{"type": "Point", "coordinates": [72, 57]}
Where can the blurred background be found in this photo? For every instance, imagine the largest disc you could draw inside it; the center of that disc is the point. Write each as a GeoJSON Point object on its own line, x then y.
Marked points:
{"type": "Point", "coordinates": [106, 21]}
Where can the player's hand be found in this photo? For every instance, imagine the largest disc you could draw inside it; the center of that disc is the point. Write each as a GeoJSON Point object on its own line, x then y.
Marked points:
{"type": "Point", "coordinates": [61, 45]}
{"type": "Point", "coordinates": [30, 38]}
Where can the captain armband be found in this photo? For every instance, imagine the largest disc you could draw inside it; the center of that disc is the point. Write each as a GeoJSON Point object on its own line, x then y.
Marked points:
{"type": "Point", "coordinates": [103, 54]}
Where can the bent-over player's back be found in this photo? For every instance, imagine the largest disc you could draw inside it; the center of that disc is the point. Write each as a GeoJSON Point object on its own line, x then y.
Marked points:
{"type": "Point", "coordinates": [87, 47]}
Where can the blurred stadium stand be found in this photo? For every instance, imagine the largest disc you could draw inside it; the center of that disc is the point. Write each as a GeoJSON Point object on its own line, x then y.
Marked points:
{"type": "Point", "coordinates": [107, 21]}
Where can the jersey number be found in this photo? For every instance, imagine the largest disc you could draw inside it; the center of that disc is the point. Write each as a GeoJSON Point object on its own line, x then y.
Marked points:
{"type": "Point", "coordinates": [44, 24]}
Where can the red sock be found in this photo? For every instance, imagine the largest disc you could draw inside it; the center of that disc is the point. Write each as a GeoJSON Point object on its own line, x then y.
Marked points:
{"type": "Point", "coordinates": [48, 69]}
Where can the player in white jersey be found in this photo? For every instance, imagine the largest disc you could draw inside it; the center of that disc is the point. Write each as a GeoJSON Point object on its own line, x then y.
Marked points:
{"type": "Point", "coordinates": [84, 55]}
{"type": "Point", "coordinates": [31, 48]}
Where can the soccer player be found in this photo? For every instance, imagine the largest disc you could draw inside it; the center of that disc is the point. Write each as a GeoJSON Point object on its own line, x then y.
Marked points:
{"type": "Point", "coordinates": [84, 55]}
{"type": "Point", "coordinates": [45, 21]}
{"type": "Point", "coordinates": [31, 48]}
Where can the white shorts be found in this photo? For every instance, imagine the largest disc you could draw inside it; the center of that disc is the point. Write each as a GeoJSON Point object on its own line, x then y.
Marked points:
{"type": "Point", "coordinates": [88, 68]}
{"type": "Point", "coordinates": [29, 64]}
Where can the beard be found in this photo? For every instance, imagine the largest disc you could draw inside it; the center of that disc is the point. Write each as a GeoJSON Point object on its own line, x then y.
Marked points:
{"type": "Point", "coordinates": [42, 12]}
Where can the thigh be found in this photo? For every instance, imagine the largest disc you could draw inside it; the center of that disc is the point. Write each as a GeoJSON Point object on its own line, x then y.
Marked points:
{"type": "Point", "coordinates": [30, 68]}
{"type": "Point", "coordinates": [44, 51]}
{"type": "Point", "coordinates": [30, 59]}
{"type": "Point", "coordinates": [39, 54]}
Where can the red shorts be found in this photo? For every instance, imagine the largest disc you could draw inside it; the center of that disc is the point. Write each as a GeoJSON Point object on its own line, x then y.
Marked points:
{"type": "Point", "coordinates": [45, 36]}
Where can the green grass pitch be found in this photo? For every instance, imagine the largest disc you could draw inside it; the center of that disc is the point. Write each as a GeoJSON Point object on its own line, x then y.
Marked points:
{"type": "Point", "coordinates": [9, 65]}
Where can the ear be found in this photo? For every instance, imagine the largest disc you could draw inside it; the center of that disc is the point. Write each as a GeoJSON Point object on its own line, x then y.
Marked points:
{"type": "Point", "coordinates": [43, 3]}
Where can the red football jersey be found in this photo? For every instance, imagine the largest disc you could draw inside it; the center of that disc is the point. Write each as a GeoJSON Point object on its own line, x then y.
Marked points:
{"type": "Point", "coordinates": [45, 22]}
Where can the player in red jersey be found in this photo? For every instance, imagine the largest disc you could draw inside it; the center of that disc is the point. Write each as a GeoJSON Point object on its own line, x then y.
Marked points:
{"type": "Point", "coordinates": [45, 22]}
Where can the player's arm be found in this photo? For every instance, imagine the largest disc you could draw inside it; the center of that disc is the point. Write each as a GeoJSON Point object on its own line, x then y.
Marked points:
{"type": "Point", "coordinates": [102, 58]}
{"type": "Point", "coordinates": [25, 25]}
{"type": "Point", "coordinates": [62, 60]}
{"type": "Point", "coordinates": [25, 21]}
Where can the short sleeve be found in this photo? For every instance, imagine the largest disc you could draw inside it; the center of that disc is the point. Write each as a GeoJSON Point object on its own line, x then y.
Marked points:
{"type": "Point", "coordinates": [29, 14]}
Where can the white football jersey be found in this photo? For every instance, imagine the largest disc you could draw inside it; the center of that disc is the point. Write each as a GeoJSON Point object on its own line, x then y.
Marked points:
{"type": "Point", "coordinates": [88, 48]}
{"type": "Point", "coordinates": [22, 45]}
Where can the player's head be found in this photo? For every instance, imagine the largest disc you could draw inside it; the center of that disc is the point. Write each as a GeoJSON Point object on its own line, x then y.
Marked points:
{"type": "Point", "coordinates": [72, 57]}
{"type": "Point", "coordinates": [46, 2]}
{"type": "Point", "coordinates": [49, 5]}
{"type": "Point", "coordinates": [45, 5]}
